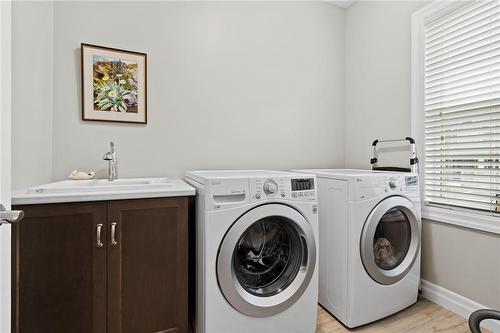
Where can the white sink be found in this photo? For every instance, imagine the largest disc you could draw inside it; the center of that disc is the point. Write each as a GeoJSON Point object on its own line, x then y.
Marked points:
{"type": "Point", "coordinates": [102, 189]}
{"type": "Point", "coordinates": [97, 185]}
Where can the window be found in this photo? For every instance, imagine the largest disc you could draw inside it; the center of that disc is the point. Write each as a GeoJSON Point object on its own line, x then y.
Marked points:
{"type": "Point", "coordinates": [460, 98]}
{"type": "Point", "coordinates": [462, 107]}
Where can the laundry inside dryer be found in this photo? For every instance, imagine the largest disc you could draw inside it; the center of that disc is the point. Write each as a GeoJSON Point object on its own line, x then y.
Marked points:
{"type": "Point", "coordinates": [392, 239]}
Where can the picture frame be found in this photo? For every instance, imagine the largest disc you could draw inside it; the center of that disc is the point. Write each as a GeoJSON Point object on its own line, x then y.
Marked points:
{"type": "Point", "coordinates": [114, 84]}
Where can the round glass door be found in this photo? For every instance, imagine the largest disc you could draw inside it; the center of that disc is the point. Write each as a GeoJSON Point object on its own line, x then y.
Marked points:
{"type": "Point", "coordinates": [266, 260]}
{"type": "Point", "coordinates": [268, 256]}
{"type": "Point", "coordinates": [390, 240]}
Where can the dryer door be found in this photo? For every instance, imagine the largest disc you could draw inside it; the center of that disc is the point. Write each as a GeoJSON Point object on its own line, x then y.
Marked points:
{"type": "Point", "coordinates": [266, 260]}
{"type": "Point", "coordinates": [390, 241]}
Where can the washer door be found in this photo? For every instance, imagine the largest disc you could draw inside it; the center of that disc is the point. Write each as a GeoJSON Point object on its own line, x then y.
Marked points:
{"type": "Point", "coordinates": [390, 240]}
{"type": "Point", "coordinates": [266, 260]}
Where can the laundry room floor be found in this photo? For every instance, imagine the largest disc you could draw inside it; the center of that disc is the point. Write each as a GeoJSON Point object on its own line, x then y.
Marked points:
{"type": "Point", "coordinates": [423, 317]}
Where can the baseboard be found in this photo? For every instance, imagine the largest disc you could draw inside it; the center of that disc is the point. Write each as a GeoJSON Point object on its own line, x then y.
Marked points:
{"type": "Point", "coordinates": [455, 303]}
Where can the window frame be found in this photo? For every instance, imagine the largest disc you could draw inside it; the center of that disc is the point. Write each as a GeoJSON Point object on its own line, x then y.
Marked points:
{"type": "Point", "coordinates": [463, 217]}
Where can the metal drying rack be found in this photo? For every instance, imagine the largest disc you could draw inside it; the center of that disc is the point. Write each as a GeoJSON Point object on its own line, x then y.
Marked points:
{"type": "Point", "coordinates": [413, 158]}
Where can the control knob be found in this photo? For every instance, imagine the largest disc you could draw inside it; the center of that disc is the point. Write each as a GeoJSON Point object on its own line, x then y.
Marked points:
{"type": "Point", "coordinates": [392, 184]}
{"type": "Point", "coordinates": [270, 187]}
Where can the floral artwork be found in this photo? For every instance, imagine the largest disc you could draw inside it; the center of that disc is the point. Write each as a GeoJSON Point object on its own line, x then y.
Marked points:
{"type": "Point", "coordinates": [113, 84]}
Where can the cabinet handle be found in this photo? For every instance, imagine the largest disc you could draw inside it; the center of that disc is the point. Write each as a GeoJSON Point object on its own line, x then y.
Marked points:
{"type": "Point", "coordinates": [99, 228]}
{"type": "Point", "coordinates": [113, 233]}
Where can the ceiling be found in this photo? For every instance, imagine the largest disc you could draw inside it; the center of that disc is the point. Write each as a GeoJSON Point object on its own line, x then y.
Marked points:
{"type": "Point", "coordinates": [341, 3]}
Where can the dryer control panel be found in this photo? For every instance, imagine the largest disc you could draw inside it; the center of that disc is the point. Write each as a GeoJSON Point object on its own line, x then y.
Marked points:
{"type": "Point", "coordinates": [367, 187]}
{"type": "Point", "coordinates": [289, 188]}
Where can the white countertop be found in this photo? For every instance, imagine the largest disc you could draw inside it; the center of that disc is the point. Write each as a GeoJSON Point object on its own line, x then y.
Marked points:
{"type": "Point", "coordinates": [101, 190]}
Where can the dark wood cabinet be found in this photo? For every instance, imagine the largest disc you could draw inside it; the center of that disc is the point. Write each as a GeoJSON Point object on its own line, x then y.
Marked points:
{"type": "Point", "coordinates": [58, 274]}
{"type": "Point", "coordinates": [147, 263]}
{"type": "Point", "coordinates": [115, 266]}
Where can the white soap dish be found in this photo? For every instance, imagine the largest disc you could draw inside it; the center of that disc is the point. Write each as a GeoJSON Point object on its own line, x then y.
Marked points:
{"type": "Point", "coordinates": [81, 175]}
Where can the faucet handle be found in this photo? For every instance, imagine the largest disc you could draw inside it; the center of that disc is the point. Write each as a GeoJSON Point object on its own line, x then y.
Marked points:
{"type": "Point", "coordinates": [108, 156]}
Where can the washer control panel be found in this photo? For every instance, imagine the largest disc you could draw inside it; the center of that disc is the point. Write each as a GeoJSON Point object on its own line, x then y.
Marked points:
{"type": "Point", "coordinates": [300, 189]}
{"type": "Point", "coordinates": [303, 187]}
{"type": "Point", "coordinates": [270, 187]}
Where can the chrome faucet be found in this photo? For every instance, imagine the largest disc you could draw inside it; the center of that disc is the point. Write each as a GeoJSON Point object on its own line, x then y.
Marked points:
{"type": "Point", "coordinates": [110, 156]}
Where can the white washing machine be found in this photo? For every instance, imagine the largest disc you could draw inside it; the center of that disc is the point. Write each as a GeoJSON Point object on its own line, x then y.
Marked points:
{"type": "Point", "coordinates": [370, 228]}
{"type": "Point", "coordinates": [256, 260]}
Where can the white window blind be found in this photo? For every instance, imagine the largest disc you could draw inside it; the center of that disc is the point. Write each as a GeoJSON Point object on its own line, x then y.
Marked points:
{"type": "Point", "coordinates": [462, 107]}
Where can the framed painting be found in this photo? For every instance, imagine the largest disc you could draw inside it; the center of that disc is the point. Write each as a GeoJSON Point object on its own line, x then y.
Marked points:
{"type": "Point", "coordinates": [114, 85]}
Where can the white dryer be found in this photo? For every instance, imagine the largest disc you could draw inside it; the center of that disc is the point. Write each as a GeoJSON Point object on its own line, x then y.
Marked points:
{"type": "Point", "coordinates": [369, 243]}
{"type": "Point", "coordinates": [256, 260]}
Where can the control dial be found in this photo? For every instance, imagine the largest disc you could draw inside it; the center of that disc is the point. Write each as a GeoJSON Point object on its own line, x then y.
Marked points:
{"type": "Point", "coordinates": [392, 184]}
{"type": "Point", "coordinates": [270, 187]}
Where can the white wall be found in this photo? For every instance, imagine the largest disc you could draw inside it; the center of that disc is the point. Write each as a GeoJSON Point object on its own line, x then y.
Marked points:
{"type": "Point", "coordinates": [32, 87]}
{"type": "Point", "coordinates": [231, 85]}
{"type": "Point", "coordinates": [378, 54]}
{"type": "Point", "coordinates": [378, 58]}
{"type": "Point", "coordinates": [464, 261]}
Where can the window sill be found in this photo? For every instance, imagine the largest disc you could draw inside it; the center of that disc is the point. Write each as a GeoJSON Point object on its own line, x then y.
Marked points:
{"type": "Point", "coordinates": [464, 219]}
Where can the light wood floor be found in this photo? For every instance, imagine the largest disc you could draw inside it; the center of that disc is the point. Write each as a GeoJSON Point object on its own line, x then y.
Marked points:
{"type": "Point", "coordinates": [423, 317]}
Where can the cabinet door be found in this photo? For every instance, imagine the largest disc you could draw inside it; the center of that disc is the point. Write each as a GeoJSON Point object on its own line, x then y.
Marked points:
{"type": "Point", "coordinates": [59, 272]}
{"type": "Point", "coordinates": [147, 266]}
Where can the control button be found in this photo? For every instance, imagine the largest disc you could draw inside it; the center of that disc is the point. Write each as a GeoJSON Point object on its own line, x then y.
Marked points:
{"type": "Point", "coordinates": [270, 187]}
{"type": "Point", "coordinates": [301, 194]}
{"type": "Point", "coordinates": [282, 194]}
{"type": "Point", "coordinates": [294, 194]}
{"type": "Point", "coordinates": [257, 196]}
{"type": "Point", "coordinates": [306, 194]}
{"type": "Point", "coordinates": [312, 193]}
